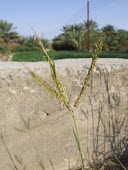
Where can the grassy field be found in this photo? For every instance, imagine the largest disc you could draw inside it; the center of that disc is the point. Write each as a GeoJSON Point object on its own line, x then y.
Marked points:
{"type": "Point", "coordinates": [33, 56]}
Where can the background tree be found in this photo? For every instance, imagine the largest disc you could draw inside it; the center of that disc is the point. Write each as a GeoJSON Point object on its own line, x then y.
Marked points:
{"type": "Point", "coordinates": [110, 38]}
{"type": "Point", "coordinates": [92, 25]}
{"type": "Point", "coordinates": [7, 32]}
{"type": "Point", "coordinates": [69, 39]}
{"type": "Point", "coordinates": [30, 44]}
{"type": "Point", "coordinates": [8, 37]}
{"type": "Point", "coordinates": [122, 40]}
{"type": "Point", "coordinates": [74, 37]}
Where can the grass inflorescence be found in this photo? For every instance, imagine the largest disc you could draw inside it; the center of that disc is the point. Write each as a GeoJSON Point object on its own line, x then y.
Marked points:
{"type": "Point", "coordinates": [58, 91]}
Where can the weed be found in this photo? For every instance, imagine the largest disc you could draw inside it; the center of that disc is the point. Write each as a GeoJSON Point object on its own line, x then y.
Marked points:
{"type": "Point", "coordinates": [58, 90]}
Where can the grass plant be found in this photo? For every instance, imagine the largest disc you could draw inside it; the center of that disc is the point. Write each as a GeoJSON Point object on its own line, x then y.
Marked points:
{"type": "Point", "coordinates": [58, 91]}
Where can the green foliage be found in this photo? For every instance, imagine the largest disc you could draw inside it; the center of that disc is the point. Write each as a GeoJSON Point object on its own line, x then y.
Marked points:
{"type": "Point", "coordinates": [113, 55]}
{"type": "Point", "coordinates": [27, 56]}
{"type": "Point", "coordinates": [74, 37]}
{"type": "Point", "coordinates": [8, 37]}
{"type": "Point", "coordinates": [11, 41]}
{"type": "Point", "coordinates": [38, 56]}
{"type": "Point", "coordinates": [68, 54]}
{"type": "Point", "coordinates": [25, 49]}
{"type": "Point", "coordinates": [30, 44]}
{"type": "Point", "coordinates": [28, 41]}
{"type": "Point", "coordinates": [32, 56]}
{"type": "Point", "coordinates": [122, 40]}
{"type": "Point", "coordinates": [4, 49]}
{"type": "Point", "coordinates": [110, 38]}
{"type": "Point", "coordinates": [92, 25]}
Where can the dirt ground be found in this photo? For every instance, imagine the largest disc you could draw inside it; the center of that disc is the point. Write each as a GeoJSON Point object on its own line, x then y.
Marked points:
{"type": "Point", "coordinates": [34, 127]}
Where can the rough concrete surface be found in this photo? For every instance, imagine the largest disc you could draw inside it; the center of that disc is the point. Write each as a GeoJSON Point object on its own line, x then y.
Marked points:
{"type": "Point", "coordinates": [34, 127]}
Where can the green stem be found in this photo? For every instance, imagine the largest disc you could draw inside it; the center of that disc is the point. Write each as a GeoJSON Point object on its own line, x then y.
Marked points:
{"type": "Point", "coordinates": [78, 139]}
{"type": "Point", "coordinates": [76, 133]}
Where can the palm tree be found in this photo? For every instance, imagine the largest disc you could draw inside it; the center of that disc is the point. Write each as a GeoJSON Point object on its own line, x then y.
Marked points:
{"type": "Point", "coordinates": [7, 32]}
{"type": "Point", "coordinates": [72, 28]}
{"type": "Point", "coordinates": [64, 42]}
{"type": "Point", "coordinates": [71, 38]}
{"type": "Point", "coordinates": [94, 32]}
{"type": "Point", "coordinates": [109, 31]}
{"type": "Point", "coordinates": [75, 34]}
{"type": "Point", "coordinates": [92, 25]}
{"type": "Point", "coordinates": [74, 37]}
{"type": "Point", "coordinates": [122, 40]}
{"type": "Point", "coordinates": [110, 38]}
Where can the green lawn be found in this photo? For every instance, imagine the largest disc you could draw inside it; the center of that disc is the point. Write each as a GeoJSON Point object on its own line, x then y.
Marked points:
{"type": "Point", "coordinates": [34, 56]}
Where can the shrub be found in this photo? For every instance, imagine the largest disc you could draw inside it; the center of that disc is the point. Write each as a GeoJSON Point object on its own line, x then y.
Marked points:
{"type": "Point", "coordinates": [4, 49]}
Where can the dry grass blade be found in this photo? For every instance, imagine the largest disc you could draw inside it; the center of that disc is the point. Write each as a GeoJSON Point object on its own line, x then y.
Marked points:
{"type": "Point", "coordinates": [25, 122]}
{"type": "Point", "coordinates": [18, 159]}
{"type": "Point", "coordinates": [91, 69]}
{"type": "Point", "coordinates": [8, 152]}
{"type": "Point", "coordinates": [51, 163]}
{"type": "Point", "coordinates": [119, 161]}
{"type": "Point", "coordinates": [41, 165]}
